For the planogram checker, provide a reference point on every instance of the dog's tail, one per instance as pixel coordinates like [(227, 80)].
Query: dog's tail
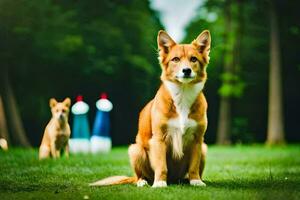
[(114, 180)]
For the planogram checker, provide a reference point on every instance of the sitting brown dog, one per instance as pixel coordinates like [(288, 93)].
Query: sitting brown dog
[(57, 132)]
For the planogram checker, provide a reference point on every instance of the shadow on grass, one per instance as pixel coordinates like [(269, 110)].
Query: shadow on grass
[(254, 184), (9, 186)]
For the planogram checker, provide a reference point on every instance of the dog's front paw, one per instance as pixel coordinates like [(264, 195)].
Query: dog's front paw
[(157, 184), (197, 182), (141, 183)]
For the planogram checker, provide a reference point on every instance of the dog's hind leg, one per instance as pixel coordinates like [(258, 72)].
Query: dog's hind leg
[(67, 151), (140, 164), (53, 150), (58, 153)]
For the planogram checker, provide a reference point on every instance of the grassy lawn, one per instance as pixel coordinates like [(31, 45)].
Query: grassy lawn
[(240, 172)]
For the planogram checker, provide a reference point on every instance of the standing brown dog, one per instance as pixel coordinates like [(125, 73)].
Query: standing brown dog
[(169, 145), (57, 132)]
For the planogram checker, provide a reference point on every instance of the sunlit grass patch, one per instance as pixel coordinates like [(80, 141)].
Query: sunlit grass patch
[(240, 172)]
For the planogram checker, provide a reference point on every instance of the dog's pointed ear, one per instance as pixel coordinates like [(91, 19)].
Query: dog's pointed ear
[(202, 43), (67, 102), (52, 102), (164, 41)]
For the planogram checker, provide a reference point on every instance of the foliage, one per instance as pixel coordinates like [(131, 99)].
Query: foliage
[(66, 48), (250, 83), (232, 85)]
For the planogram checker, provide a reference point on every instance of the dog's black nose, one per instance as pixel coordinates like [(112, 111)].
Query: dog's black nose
[(186, 71)]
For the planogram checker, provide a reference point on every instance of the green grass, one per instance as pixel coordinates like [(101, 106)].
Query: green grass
[(240, 172)]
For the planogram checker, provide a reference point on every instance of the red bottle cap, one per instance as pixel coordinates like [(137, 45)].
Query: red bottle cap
[(79, 98), (103, 95)]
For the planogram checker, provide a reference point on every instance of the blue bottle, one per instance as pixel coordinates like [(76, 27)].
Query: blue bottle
[(101, 139)]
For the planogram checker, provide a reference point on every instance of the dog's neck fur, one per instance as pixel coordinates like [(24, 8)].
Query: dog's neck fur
[(184, 95), (60, 123)]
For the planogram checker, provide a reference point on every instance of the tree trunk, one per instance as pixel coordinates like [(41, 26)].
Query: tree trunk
[(275, 133), (3, 123), (16, 129), (224, 121), (239, 27)]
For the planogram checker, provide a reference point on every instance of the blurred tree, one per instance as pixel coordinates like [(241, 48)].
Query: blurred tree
[(63, 48), (3, 122), (232, 86), (16, 129), (225, 118), (24, 35), (275, 133)]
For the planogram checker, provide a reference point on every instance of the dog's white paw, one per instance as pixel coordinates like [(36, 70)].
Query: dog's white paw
[(197, 182), (157, 184), (141, 183)]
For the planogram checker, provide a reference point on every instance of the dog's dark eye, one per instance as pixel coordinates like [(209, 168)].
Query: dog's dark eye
[(63, 110), (176, 59), (193, 59)]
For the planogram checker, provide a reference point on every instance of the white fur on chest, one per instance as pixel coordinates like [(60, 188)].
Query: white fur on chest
[(179, 128)]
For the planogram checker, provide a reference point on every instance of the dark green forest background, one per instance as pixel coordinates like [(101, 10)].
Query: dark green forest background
[(51, 48)]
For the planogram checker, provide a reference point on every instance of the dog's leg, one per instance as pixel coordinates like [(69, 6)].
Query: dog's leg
[(194, 166), (67, 151), (140, 163), (157, 155), (58, 153), (53, 150)]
